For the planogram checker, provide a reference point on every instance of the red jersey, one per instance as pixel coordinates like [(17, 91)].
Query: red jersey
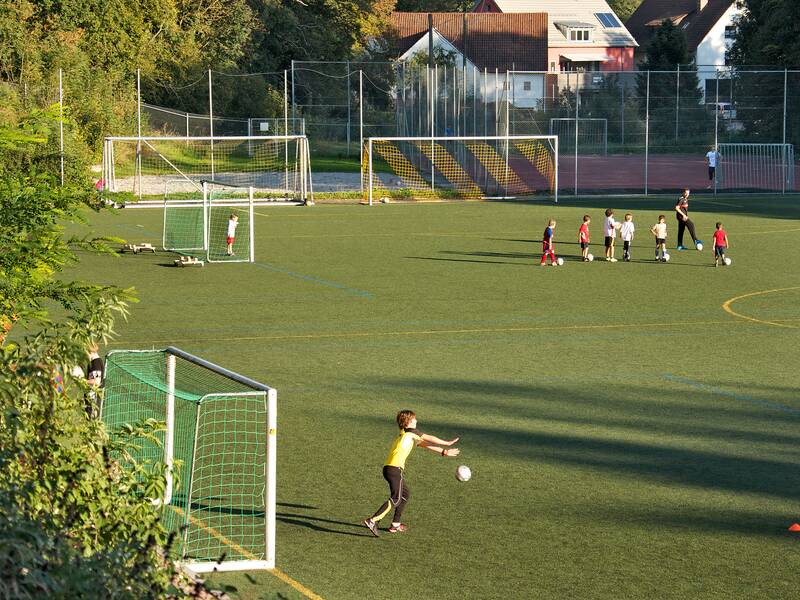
[(584, 232), (719, 237)]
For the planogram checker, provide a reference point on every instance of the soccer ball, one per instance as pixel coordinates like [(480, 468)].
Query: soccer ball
[(463, 473), (560, 262), (728, 262), (385, 200), (77, 372), (699, 246), (666, 257), (590, 257)]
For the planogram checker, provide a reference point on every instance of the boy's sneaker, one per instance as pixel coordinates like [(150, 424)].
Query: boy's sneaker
[(401, 528), (681, 248), (372, 526), (613, 259)]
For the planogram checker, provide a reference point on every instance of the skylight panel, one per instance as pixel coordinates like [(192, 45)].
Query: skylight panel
[(608, 19)]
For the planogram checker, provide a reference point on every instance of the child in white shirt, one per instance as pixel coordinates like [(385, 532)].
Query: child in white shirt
[(660, 231), (610, 230), (626, 233)]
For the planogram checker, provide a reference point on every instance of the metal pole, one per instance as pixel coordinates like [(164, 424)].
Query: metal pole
[(360, 116), (294, 104), (286, 130), (211, 120), (716, 123), (677, 99), (347, 93), (139, 130), (577, 116), (647, 136), (785, 88), (622, 112), (61, 121)]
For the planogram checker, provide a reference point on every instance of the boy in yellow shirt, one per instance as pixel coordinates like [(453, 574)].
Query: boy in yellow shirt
[(393, 469)]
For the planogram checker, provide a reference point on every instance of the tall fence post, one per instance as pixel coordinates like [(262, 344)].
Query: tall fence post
[(647, 136), (211, 120), (360, 115), (61, 121), (138, 167), (577, 117), (785, 88), (677, 99), (294, 104), (716, 121), (347, 93)]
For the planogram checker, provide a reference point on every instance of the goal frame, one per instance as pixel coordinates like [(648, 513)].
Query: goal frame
[(206, 203), (604, 120), (785, 168), (270, 463), (302, 159), (433, 139)]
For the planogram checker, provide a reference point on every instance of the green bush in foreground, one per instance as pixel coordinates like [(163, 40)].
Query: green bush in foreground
[(76, 520)]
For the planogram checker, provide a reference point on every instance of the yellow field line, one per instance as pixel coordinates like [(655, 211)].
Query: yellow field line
[(423, 332), (249, 555), (726, 306)]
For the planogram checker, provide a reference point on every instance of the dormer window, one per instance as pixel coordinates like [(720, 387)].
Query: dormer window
[(576, 31), (580, 35)]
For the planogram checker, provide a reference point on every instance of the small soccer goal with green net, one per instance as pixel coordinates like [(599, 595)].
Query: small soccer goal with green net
[(201, 225), (218, 447)]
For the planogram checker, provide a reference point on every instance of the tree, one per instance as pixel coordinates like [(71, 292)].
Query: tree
[(76, 520), (624, 8), (766, 39), (674, 96)]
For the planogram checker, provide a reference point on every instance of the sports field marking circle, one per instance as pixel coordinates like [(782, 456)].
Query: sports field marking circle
[(726, 306)]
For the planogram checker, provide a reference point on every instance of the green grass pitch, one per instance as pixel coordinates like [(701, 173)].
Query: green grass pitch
[(628, 436)]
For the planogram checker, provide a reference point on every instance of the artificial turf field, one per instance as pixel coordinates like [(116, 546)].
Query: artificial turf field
[(628, 436)]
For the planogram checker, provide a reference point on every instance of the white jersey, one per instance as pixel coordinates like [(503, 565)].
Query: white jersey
[(232, 227), (712, 157), (626, 231), (660, 230), (610, 227)]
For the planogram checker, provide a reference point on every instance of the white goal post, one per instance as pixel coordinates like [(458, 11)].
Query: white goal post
[(278, 167), (459, 167), (591, 133), (219, 448), (199, 226), (755, 168)]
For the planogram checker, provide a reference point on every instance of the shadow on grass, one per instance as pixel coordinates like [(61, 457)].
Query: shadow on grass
[(315, 524), (707, 447)]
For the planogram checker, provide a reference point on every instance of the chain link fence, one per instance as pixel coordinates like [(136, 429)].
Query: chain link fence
[(619, 132)]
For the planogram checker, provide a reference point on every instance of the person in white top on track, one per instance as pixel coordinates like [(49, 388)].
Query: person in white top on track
[(232, 223), (713, 157)]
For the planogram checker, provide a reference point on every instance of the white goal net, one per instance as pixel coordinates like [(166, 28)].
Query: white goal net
[(756, 168), (277, 167), (422, 168), (217, 225)]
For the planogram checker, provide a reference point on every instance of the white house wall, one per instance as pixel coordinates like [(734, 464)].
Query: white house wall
[(711, 51)]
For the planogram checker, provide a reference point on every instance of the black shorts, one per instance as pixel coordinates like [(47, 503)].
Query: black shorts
[(711, 172), (719, 250), (609, 241), (584, 245), (660, 241)]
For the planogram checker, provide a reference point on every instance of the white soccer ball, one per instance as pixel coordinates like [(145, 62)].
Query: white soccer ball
[(590, 257), (699, 246), (385, 200), (463, 473), (728, 262), (666, 257), (560, 262), (77, 372)]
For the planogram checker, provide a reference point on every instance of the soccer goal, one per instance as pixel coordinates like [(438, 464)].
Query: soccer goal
[(756, 167), (592, 134), (277, 167), (218, 447), (420, 168), (200, 225)]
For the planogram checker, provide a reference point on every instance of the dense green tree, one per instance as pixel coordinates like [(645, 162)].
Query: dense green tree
[(767, 34), (624, 8), (671, 94)]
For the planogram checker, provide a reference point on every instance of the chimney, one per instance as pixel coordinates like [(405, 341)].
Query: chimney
[(701, 4)]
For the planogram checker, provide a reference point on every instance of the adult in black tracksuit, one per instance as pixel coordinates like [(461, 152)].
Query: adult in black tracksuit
[(684, 222)]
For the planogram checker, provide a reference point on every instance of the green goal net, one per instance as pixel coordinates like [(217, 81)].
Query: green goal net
[(219, 448)]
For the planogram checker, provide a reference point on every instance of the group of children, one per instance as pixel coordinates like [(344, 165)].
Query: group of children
[(626, 231)]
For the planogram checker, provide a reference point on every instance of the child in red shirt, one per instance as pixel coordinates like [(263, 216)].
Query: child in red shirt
[(720, 245), (583, 238)]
